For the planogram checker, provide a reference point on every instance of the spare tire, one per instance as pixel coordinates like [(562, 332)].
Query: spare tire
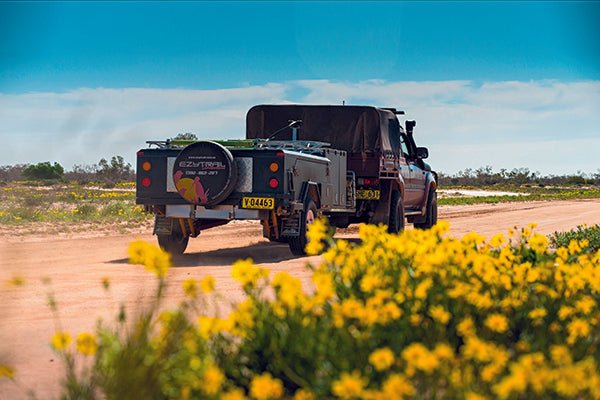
[(204, 173)]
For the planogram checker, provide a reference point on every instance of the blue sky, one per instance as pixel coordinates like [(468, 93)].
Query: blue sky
[(474, 73)]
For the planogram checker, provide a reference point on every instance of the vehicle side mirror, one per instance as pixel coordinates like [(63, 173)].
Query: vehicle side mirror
[(422, 152)]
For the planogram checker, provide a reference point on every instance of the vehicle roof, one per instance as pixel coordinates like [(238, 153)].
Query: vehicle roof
[(354, 129)]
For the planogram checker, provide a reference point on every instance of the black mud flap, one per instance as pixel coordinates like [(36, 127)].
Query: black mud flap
[(163, 226)]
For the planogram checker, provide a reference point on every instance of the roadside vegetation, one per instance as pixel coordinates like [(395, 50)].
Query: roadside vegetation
[(44, 197), (486, 176), (589, 235), (522, 184), (414, 315), (453, 195), (104, 193)]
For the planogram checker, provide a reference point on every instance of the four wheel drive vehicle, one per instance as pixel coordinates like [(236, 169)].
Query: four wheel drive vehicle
[(298, 162)]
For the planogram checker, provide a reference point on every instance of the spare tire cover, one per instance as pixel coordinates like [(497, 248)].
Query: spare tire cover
[(204, 173)]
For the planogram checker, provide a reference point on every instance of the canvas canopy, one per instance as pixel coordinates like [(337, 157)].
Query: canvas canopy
[(354, 129)]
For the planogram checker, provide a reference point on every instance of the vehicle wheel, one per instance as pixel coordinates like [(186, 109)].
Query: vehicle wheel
[(396, 217), (298, 244), (175, 243), (430, 212)]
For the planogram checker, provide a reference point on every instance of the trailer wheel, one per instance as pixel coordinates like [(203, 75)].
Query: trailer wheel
[(430, 212), (174, 243), (298, 244), (396, 217)]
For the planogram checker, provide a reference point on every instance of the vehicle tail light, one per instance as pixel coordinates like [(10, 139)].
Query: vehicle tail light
[(274, 167), (368, 181), (146, 182), (273, 183), (280, 154), (140, 153), (146, 166)]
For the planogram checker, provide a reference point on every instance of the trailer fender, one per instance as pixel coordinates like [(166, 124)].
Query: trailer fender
[(310, 190)]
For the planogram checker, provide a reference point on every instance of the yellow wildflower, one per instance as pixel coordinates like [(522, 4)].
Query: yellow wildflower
[(475, 396), (207, 284), (466, 327), (443, 351), (417, 356), (370, 282), (304, 394), (212, 380), (317, 232), (349, 386), (105, 283), (16, 281), (497, 240), (415, 319), (245, 272), (195, 363), (439, 314), (565, 312), (234, 394), (190, 288), (382, 359), (537, 313), (86, 344), (60, 340), (538, 243), (6, 372), (574, 247), (497, 323), (153, 258), (578, 328), (324, 286), (397, 386), (265, 387), (585, 305), (560, 355), (422, 288)]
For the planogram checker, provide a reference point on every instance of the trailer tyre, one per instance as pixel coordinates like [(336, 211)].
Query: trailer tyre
[(174, 243), (430, 212), (396, 216), (298, 244)]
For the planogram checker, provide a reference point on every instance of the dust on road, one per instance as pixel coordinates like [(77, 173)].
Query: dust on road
[(73, 269)]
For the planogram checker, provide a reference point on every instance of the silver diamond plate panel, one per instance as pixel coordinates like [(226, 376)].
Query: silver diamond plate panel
[(244, 180)]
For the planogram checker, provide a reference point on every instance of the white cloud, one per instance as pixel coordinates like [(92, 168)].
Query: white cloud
[(550, 126)]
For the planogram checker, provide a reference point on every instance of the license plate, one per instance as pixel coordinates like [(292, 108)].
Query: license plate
[(368, 194), (261, 203)]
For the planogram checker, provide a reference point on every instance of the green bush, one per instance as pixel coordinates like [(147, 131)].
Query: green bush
[(44, 171), (591, 234), (86, 210)]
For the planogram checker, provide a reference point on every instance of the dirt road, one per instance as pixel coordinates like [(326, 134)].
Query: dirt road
[(72, 269)]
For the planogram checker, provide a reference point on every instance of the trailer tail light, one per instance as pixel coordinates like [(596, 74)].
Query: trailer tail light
[(146, 166), (146, 182), (273, 183), (274, 167)]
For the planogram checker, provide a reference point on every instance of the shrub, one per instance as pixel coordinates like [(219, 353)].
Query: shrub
[(581, 233), (86, 210), (44, 171), (418, 314)]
